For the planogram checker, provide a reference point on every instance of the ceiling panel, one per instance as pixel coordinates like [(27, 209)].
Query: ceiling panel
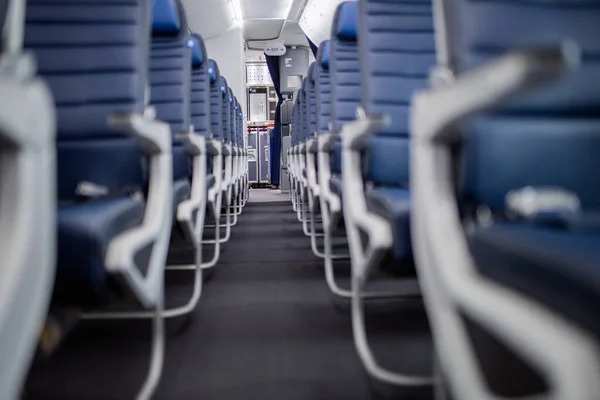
[(259, 9), (209, 17), (256, 29)]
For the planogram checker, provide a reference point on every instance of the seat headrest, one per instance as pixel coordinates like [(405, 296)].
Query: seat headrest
[(323, 54), (198, 51), (213, 72), (223, 86), (345, 25), (165, 17), (230, 94), (312, 73)]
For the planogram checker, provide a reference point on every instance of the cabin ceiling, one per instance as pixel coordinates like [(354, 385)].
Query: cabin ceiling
[(262, 19)]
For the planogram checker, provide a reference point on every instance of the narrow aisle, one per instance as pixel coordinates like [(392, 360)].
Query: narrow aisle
[(266, 327)]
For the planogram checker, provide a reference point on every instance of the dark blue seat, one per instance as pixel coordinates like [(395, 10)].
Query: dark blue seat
[(323, 89), (335, 185), (344, 79), (216, 99), (555, 266), (200, 88), (226, 110), (548, 138), (397, 52), (92, 71), (170, 81)]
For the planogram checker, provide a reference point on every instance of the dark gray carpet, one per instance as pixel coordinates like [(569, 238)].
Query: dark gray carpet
[(266, 328)]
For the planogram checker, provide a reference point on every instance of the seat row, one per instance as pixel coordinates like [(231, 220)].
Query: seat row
[(119, 137), (458, 142)]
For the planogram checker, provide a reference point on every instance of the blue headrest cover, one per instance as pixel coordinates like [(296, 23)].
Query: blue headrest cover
[(230, 94), (346, 23), (213, 71), (197, 51), (323, 55), (165, 17), (312, 71), (223, 83)]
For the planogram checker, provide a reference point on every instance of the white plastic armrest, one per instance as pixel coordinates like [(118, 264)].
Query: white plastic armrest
[(217, 169), (312, 145), (437, 111), (154, 138), (196, 146), (354, 135), (326, 141), (213, 147), (27, 218)]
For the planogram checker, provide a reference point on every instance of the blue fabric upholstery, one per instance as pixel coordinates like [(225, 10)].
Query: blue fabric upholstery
[(336, 158), (226, 110), (92, 72), (547, 138), (181, 191), (336, 186), (344, 70), (94, 56), (232, 113), (84, 232), (311, 103), (323, 89), (345, 24), (165, 17), (170, 77), (393, 204), (216, 100), (304, 133), (550, 137), (198, 51), (397, 51), (558, 267), (200, 91), (170, 74), (210, 181)]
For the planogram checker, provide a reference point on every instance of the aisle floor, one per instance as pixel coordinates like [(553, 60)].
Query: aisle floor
[(266, 328)]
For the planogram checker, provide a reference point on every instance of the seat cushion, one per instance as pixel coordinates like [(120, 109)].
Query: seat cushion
[(181, 162), (393, 204), (336, 158), (210, 181), (84, 232), (181, 191), (335, 185), (559, 268)]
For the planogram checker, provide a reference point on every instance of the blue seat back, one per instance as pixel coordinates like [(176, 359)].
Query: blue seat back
[(239, 127), (170, 65), (344, 66), (170, 76), (294, 133), (300, 116), (216, 100), (200, 88), (232, 112), (226, 110), (550, 137), (397, 52), (323, 89), (94, 56), (304, 111), (311, 102)]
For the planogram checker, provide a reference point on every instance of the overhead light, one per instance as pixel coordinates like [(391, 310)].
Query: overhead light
[(237, 12)]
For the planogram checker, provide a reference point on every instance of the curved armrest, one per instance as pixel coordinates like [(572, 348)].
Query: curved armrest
[(27, 218), (196, 146), (436, 111), (154, 138), (217, 160)]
